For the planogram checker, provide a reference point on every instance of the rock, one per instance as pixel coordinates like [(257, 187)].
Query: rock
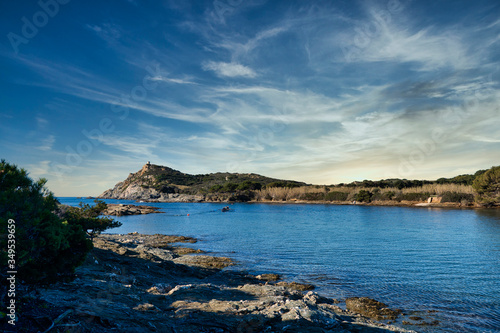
[(137, 294), (160, 253), (205, 261), (121, 209), (268, 277), (314, 299), (160, 288), (296, 286), (371, 308), (146, 307)]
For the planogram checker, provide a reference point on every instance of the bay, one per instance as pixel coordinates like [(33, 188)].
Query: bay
[(440, 264)]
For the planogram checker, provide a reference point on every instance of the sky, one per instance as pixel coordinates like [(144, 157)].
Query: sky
[(322, 92)]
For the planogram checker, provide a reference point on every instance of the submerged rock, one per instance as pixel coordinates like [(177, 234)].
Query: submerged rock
[(371, 308), (268, 277), (296, 286)]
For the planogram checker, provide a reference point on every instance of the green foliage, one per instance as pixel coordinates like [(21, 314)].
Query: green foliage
[(363, 196), (336, 196), (412, 196), (87, 217), (215, 189), (229, 187), (456, 197), (487, 186), (242, 196), (249, 185), (314, 196), (283, 183), (47, 248)]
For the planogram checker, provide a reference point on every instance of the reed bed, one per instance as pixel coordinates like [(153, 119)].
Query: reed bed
[(310, 192)]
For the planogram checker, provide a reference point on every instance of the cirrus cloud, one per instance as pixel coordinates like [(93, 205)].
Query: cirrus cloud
[(229, 69)]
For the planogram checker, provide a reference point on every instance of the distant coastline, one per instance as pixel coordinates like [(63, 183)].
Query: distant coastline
[(155, 183)]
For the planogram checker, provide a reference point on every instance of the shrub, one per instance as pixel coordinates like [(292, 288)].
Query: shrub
[(336, 196), (363, 196), (242, 197), (457, 197), (282, 184), (487, 186), (215, 188), (313, 196), (249, 185), (48, 248), (413, 196), (229, 187), (87, 217)]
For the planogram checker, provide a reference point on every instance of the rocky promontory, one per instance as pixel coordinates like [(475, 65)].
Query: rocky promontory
[(146, 283)]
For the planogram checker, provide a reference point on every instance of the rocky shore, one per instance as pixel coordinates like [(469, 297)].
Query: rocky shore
[(122, 209), (148, 283)]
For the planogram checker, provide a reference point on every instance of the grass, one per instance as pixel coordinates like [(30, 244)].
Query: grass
[(420, 193)]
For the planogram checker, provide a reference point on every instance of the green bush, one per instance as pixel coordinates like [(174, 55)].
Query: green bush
[(363, 196), (242, 197), (412, 196), (282, 184), (47, 248), (314, 196), (215, 189), (229, 187), (249, 185), (87, 217), (336, 196), (487, 186), (456, 197)]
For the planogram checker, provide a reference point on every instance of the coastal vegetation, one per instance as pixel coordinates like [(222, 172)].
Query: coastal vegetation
[(51, 242), (159, 183), (487, 186)]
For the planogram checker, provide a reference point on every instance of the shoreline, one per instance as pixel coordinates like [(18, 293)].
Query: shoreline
[(415, 204), (142, 283)]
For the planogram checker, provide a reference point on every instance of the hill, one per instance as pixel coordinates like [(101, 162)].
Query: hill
[(164, 184), (161, 183)]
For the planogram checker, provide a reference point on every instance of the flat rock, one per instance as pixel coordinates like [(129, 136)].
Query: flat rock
[(371, 308), (121, 210), (205, 261)]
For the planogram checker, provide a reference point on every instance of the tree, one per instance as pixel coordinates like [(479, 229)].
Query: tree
[(46, 247), (487, 186), (363, 196), (87, 217)]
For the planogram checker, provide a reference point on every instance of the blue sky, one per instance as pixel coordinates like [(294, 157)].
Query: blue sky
[(317, 91)]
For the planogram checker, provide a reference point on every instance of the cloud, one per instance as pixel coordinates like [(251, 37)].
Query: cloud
[(172, 80), (107, 31), (47, 143), (386, 37), (225, 69), (134, 146)]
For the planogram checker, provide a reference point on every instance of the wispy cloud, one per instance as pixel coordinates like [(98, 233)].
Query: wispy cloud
[(109, 32), (225, 69), (47, 143)]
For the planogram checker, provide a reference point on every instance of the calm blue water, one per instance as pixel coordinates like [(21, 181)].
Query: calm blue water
[(416, 259)]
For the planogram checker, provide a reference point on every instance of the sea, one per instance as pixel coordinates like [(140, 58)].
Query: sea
[(442, 265)]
